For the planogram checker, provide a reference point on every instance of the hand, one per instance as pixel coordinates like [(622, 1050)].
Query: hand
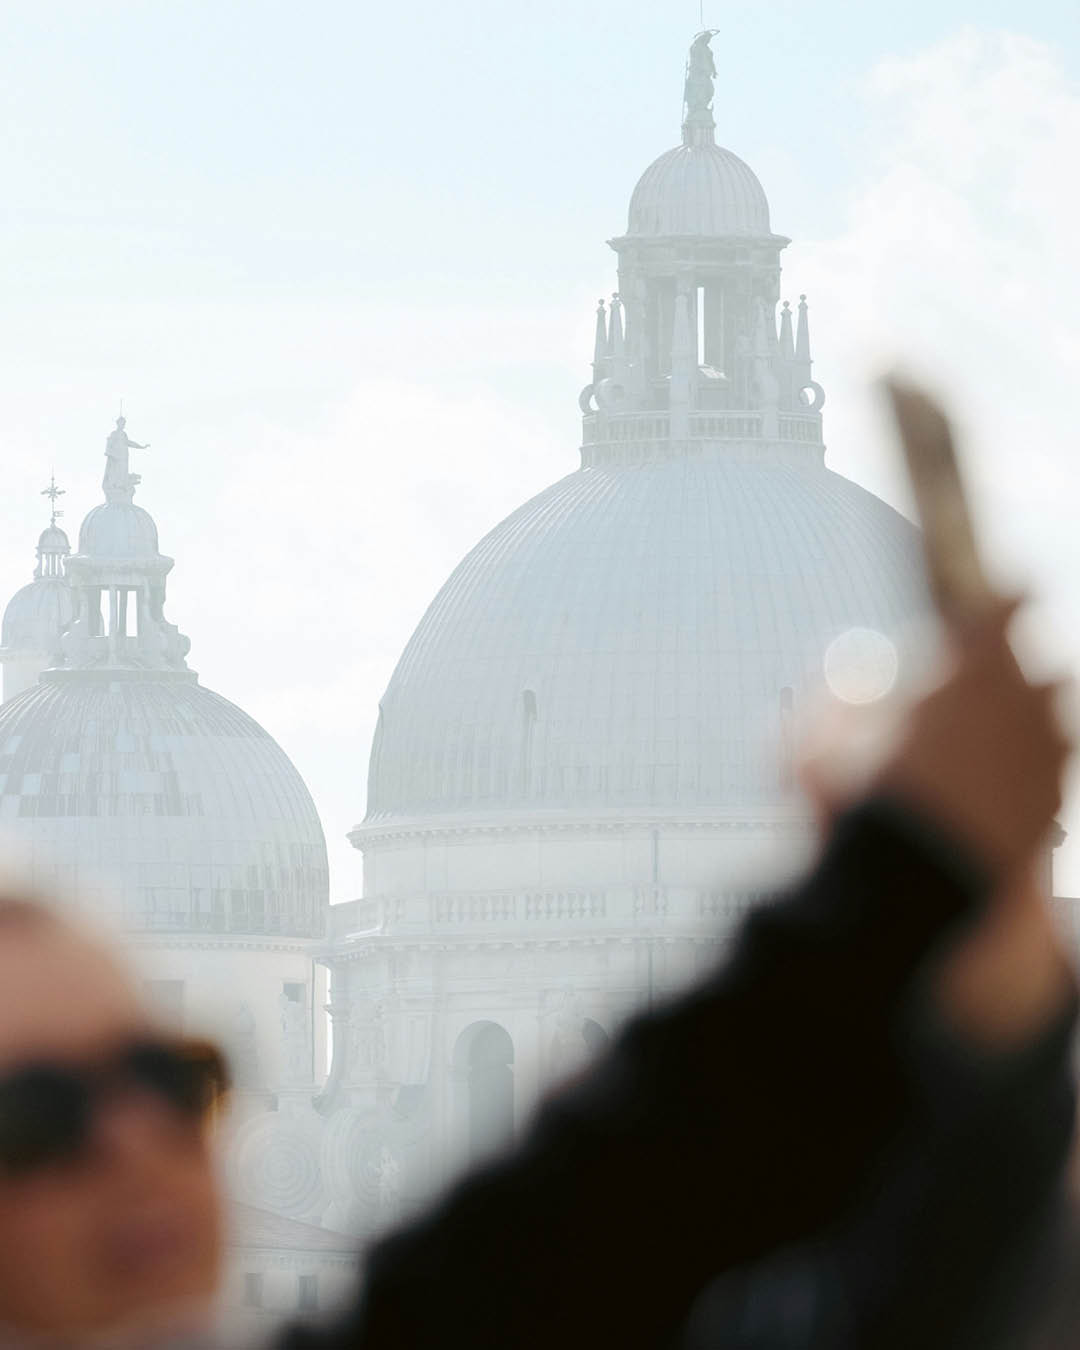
[(982, 754), (1009, 977)]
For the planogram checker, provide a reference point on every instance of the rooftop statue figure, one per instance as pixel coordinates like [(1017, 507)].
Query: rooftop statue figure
[(700, 74), (119, 483)]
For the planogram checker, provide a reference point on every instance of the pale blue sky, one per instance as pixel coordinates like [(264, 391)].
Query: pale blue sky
[(340, 261), (224, 147)]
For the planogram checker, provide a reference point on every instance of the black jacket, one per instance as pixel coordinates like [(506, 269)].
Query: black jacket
[(790, 1154)]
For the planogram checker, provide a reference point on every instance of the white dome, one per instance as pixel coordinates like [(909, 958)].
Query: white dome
[(173, 797), (118, 530), (37, 615), (699, 190), (623, 640), (53, 540)]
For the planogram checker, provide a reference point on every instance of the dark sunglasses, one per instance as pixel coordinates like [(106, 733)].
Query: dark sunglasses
[(47, 1108)]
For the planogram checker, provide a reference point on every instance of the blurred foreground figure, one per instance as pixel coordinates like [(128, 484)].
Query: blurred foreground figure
[(852, 1134), (108, 1201)]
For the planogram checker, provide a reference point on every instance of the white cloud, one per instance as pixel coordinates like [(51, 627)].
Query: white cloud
[(958, 258)]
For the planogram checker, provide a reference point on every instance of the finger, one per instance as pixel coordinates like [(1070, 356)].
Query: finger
[(989, 627), (1049, 697)]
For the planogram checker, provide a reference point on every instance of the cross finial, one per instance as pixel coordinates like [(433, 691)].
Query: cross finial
[(53, 492)]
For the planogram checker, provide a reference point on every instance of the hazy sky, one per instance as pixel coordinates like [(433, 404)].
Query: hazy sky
[(340, 262)]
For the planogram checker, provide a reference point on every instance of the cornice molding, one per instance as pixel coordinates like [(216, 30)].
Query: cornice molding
[(221, 942), (367, 946), (618, 823)]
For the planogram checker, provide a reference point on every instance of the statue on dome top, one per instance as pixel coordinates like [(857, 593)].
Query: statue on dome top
[(119, 483), (700, 74)]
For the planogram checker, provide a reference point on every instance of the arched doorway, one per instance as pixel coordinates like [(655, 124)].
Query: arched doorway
[(484, 1059)]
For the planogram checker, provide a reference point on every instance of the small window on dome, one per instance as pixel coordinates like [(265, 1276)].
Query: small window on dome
[(787, 737), (528, 725)]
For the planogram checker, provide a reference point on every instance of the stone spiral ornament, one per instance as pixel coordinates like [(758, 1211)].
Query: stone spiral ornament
[(275, 1165), (348, 1141), (362, 1166)]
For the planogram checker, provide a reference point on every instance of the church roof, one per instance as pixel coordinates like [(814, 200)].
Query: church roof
[(118, 530), (165, 799), (699, 190), (251, 1227), (36, 615), (53, 540), (622, 640), (129, 785), (635, 638)]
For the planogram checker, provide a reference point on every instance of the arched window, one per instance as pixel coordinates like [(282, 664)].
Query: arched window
[(485, 1060)]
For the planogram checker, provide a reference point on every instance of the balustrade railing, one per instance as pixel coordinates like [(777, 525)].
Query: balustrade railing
[(628, 438)]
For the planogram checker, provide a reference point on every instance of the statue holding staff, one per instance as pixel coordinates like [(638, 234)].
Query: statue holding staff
[(700, 74), (119, 483)]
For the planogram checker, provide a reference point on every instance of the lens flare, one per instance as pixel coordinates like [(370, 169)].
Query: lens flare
[(861, 665)]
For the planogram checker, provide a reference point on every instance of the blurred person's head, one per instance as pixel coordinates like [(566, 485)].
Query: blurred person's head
[(108, 1198)]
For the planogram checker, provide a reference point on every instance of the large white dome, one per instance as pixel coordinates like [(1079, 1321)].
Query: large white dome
[(623, 639)]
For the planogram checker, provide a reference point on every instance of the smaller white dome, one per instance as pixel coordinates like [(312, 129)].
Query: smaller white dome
[(118, 530), (53, 540), (702, 191), (37, 615)]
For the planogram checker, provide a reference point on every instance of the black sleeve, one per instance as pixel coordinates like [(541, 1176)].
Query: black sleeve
[(738, 1118), (951, 1243)]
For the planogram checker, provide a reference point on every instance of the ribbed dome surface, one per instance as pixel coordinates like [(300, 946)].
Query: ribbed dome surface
[(622, 640), (53, 540), (118, 530), (699, 190), (189, 815), (37, 615)]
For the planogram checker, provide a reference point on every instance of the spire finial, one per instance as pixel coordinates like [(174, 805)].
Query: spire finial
[(787, 333), (698, 122), (802, 336), (600, 342), (53, 492), (615, 327)]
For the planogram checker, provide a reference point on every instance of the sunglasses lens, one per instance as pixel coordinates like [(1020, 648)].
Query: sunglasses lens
[(44, 1115), (46, 1110), (187, 1078)]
